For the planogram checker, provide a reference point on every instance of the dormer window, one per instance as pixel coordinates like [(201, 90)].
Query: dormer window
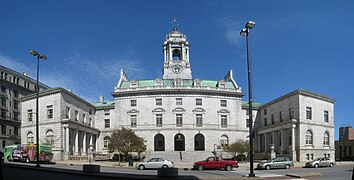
[(222, 84), (133, 84), (176, 54)]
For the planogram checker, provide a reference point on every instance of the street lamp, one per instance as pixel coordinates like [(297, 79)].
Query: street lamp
[(42, 57), (245, 32)]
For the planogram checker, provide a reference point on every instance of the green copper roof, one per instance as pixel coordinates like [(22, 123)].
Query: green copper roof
[(169, 82), (105, 104), (255, 105)]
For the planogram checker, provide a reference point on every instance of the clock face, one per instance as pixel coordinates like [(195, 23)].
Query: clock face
[(177, 69), (176, 39)]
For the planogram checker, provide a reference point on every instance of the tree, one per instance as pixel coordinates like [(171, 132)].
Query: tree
[(238, 147), (125, 140)]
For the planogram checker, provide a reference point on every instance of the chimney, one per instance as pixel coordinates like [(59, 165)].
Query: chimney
[(101, 99)]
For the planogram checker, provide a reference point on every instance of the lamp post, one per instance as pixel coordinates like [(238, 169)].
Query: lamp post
[(42, 57), (245, 32)]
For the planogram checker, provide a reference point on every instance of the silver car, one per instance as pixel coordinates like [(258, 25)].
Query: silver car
[(278, 162), (155, 163), (321, 162)]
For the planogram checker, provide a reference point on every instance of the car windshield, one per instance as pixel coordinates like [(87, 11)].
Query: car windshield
[(317, 159)]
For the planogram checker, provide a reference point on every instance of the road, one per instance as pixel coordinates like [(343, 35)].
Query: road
[(336, 172)]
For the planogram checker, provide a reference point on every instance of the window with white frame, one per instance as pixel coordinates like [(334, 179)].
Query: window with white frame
[(223, 103), (326, 139), (224, 141), (325, 116), (308, 113), (133, 120), (107, 123), (199, 120), (106, 142), (308, 138), (50, 137), (247, 123), (30, 138), (198, 101), (30, 114), (223, 120), (272, 118), (50, 111), (83, 118), (291, 113), (178, 101), (158, 120), (67, 112), (76, 115), (179, 120), (158, 101), (133, 102), (281, 116)]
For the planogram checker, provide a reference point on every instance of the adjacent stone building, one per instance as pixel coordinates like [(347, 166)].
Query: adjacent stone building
[(345, 144), (13, 86)]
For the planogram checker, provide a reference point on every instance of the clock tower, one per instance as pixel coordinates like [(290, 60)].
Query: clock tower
[(176, 55)]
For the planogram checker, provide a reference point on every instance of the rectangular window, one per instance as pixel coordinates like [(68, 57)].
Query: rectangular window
[(265, 112), (133, 103), (178, 101), (291, 113), (16, 116), (325, 114), (223, 103), (133, 120), (158, 102), (3, 129), (30, 114), (199, 120), (67, 113), (107, 123), (76, 115), (179, 120), (281, 116), (198, 101), (50, 111), (308, 157), (3, 143), (83, 118), (265, 121), (247, 123), (16, 105), (158, 120), (16, 131), (3, 89), (223, 121), (308, 113), (90, 122), (273, 119), (106, 112), (3, 102)]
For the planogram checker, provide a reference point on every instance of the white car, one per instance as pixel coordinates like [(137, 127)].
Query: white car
[(155, 163)]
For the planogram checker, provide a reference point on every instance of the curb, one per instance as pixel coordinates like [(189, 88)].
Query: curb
[(304, 175)]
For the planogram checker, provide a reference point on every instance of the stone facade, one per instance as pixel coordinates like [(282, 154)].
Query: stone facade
[(345, 144), (66, 121), (299, 125)]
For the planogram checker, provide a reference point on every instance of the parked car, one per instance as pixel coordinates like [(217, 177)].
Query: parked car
[(321, 162), (278, 162), (215, 163), (155, 163)]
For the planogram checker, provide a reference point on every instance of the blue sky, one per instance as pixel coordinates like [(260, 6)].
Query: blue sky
[(295, 44)]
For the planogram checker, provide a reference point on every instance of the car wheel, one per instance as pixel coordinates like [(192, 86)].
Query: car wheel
[(164, 166), (141, 167), (200, 167), (316, 166), (267, 167), (330, 165), (228, 167), (287, 166)]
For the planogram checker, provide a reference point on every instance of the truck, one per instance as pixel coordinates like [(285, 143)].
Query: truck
[(214, 162), (28, 152)]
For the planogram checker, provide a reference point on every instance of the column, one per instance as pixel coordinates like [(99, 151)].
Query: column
[(265, 143), (96, 142), (170, 51), (67, 140), (259, 143), (282, 142), (293, 151), (91, 139), (76, 142), (84, 144)]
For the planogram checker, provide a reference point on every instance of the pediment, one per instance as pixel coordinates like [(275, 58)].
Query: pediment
[(133, 111)]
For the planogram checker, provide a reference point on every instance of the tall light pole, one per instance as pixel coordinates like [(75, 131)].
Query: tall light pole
[(42, 57), (245, 32)]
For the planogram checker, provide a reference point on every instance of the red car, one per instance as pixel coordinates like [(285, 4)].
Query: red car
[(215, 163)]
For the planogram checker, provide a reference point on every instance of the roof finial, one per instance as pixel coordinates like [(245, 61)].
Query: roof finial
[(175, 24)]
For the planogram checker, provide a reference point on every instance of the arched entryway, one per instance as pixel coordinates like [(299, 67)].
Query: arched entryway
[(179, 142)]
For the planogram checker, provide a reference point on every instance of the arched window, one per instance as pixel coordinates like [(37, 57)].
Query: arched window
[(199, 142), (106, 141), (30, 138), (224, 141), (179, 142), (326, 139), (159, 142), (50, 137), (176, 54), (309, 140)]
